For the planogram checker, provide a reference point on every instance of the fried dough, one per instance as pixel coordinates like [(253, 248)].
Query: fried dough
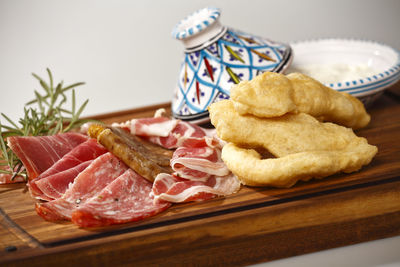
[(305, 147), (314, 98), (252, 170), (281, 136), (272, 95), (267, 95)]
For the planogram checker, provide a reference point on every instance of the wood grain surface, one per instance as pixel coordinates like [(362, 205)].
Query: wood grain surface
[(254, 225)]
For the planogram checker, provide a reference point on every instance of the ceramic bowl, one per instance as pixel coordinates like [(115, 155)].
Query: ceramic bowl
[(216, 58), (361, 68)]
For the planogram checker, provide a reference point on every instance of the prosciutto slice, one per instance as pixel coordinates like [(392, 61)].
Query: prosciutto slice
[(168, 133), (200, 173), (170, 187), (38, 153), (89, 182), (5, 178), (126, 199), (54, 186), (199, 159), (53, 182), (88, 150)]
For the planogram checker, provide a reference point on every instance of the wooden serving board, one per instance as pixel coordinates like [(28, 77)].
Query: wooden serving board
[(251, 226)]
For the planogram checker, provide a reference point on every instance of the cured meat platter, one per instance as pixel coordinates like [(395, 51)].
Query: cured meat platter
[(251, 226)]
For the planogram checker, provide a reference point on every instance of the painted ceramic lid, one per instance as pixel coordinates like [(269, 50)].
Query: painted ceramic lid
[(217, 58), (196, 22)]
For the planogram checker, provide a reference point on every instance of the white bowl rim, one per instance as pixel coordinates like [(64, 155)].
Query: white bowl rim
[(367, 85)]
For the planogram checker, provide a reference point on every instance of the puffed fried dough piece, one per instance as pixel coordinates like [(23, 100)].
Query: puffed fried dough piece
[(326, 104), (288, 134), (267, 95), (251, 170), (273, 94)]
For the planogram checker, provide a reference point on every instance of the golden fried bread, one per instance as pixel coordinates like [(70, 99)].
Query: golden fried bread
[(267, 95), (273, 95), (305, 147), (281, 136), (252, 170), (326, 104)]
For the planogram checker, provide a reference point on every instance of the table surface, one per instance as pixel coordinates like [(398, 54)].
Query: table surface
[(380, 252)]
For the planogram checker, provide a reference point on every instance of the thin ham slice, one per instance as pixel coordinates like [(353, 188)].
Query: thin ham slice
[(38, 153), (169, 187), (54, 186), (88, 150), (6, 178), (200, 174), (126, 199), (168, 133), (159, 126), (53, 182), (199, 159), (89, 182)]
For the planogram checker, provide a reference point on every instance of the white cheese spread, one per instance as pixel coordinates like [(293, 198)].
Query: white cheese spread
[(334, 73)]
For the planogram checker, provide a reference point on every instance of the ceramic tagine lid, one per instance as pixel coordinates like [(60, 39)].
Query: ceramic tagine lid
[(216, 58)]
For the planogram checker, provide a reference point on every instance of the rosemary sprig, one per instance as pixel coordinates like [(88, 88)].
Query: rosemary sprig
[(48, 117)]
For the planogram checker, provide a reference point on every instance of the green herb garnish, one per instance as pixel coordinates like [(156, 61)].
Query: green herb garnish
[(44, 115)]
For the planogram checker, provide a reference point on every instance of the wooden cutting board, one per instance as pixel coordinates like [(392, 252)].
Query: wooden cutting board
[(251, 226)]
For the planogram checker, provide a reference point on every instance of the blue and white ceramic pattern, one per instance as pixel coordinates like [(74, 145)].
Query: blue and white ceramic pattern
[(216, 58), (191, 25)]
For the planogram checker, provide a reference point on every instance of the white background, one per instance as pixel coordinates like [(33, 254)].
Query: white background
[(125, 53)]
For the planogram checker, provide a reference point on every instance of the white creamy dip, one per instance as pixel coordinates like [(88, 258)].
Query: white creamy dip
[(333, 73)]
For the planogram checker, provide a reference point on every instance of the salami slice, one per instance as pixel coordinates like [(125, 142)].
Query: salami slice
[(92, 180), (126, 199)]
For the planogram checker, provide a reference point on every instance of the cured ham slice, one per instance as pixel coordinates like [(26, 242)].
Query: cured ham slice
[(158, 126), (88, 150), (174, 189), (38, 153), (199, 159), (54, 186), (200, 174), (168, 133), (6, 178), (53, 182), (126, 199), (89, 182)]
